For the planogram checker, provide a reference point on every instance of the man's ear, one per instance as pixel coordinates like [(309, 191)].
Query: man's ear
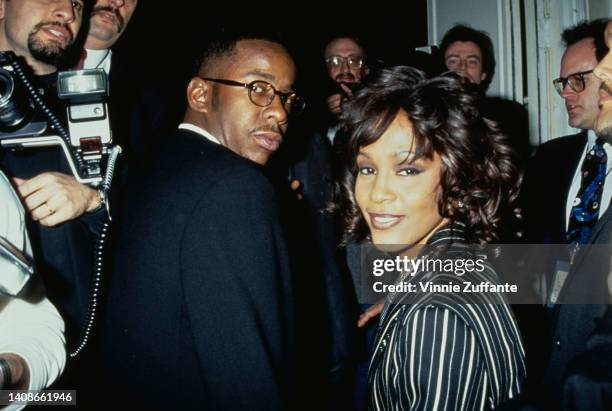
[(365, 71), (198, 95), (2, 5), (483, 76)]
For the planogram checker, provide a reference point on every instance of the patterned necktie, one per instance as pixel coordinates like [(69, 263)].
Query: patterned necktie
[(585, 209)]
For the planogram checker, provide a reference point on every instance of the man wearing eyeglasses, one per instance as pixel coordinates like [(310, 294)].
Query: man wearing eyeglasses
[(200, 307), (470, 53), (554, 177), (578, 373), (345, 61), (565, 194)]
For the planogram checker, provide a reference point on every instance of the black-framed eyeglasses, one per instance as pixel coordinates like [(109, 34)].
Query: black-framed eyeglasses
[(337, 61), (261, 93), (575, 81)]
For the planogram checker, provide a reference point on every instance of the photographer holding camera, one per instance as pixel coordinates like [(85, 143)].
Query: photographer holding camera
[(66, 213)]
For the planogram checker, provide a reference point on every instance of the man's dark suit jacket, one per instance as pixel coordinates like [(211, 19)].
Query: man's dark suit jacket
[(548, 178), (547, 182), (199, 312), (546, 188), (574, 323), (588, 383)]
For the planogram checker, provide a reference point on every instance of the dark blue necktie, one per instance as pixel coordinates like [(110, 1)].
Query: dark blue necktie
[(585, 209)]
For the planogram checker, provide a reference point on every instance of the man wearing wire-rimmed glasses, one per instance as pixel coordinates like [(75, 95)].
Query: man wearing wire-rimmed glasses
[(345, 60)]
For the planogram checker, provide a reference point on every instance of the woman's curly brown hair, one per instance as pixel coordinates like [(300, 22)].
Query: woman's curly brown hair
[(479, 179)]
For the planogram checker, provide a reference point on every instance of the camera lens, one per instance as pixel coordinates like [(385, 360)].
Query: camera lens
[(13, 107), (6, 87)]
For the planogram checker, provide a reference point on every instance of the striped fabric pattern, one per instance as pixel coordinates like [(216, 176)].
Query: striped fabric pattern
[(446, 351)]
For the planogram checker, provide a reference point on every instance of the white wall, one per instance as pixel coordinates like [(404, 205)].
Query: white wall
[(544, 20), (600, 8)]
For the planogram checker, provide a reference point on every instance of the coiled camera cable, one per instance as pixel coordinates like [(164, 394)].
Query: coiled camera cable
[(102, 235)]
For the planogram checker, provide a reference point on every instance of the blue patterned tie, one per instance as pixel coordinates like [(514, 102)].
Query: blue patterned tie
[(585, 209)]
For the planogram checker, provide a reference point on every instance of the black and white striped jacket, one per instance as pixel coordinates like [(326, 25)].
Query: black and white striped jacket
[(437, 351)]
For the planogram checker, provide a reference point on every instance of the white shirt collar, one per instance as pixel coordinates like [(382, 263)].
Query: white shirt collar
[(591, 137), (199, 130), (98, 59), (331, 132)]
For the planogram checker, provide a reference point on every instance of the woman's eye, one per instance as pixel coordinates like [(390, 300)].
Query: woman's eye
[(408, 171), (366, 170)]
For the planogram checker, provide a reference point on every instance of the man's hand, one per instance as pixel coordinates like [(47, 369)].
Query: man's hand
[(54, 198), (370, 313), (335, 101)]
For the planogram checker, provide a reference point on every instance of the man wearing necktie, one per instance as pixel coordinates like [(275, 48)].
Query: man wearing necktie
[(582, 312), (588, 381), (554, 177)]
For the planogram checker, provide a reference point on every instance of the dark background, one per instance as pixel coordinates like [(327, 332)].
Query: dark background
[(163, 37)]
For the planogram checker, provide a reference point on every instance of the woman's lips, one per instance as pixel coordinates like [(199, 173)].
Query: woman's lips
[(384, 221)]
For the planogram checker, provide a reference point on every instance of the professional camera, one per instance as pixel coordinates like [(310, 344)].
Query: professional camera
[(27, 121)]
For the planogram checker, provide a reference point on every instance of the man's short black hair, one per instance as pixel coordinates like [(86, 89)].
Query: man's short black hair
[(345, 35), (461, 32), (224, 44), (587, 29)]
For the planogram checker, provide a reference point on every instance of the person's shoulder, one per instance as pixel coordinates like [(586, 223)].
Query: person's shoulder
[(217, 164), (188, 150), (558, 152), (569, 142), (189, 168)]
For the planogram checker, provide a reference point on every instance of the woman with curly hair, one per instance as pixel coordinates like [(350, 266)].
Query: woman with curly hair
[(423, 168)]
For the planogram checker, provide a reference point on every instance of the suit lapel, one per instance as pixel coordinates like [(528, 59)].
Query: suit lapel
[(569, 167), (602, 224)]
